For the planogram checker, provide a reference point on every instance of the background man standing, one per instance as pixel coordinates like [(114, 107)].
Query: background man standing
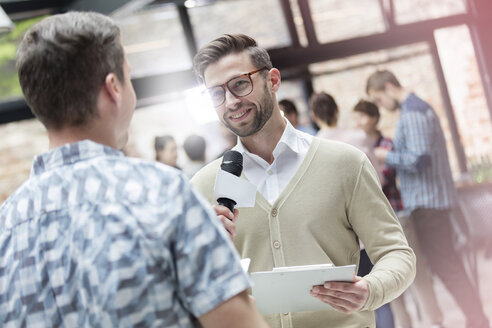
[(421, 160), (94, 238), (315, 197)]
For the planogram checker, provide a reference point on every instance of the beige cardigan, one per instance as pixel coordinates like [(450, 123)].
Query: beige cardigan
[(333, 199)]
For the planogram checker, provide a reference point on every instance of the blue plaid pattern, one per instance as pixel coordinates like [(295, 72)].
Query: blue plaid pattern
[(95, 239), (421, 159)]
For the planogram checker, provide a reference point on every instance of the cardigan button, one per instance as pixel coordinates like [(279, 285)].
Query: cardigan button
[(274, 212), (276, 244)]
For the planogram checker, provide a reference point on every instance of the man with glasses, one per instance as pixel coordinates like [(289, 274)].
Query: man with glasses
[(315, 197)]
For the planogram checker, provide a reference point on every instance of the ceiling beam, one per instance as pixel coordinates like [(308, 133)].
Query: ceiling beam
[(398, 36)]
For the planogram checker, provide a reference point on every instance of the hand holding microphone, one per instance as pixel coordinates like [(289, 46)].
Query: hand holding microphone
[(232, 162)]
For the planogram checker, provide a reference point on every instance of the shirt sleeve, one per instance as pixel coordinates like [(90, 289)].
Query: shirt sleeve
[(207, 265), (415, 130)]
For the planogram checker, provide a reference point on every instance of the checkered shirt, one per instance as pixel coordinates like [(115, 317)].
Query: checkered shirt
[(95, 239), (421, 159)]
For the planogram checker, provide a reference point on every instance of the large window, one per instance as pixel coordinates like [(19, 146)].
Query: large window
[(262, 20), (467, 95), (345, 80), (407, 11), (336, 20), (154, 41)]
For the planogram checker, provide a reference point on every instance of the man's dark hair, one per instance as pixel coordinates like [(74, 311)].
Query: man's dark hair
[(194, 147), (62, 62), (288, 106), (324, 107), (377, 81), (368, 108), (161, 141), (226, 45)]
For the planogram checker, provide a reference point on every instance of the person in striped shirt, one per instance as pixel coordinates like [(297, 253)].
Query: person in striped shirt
[(421, 161)]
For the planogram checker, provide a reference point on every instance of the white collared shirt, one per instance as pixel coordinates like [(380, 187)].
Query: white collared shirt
[(288, 156)]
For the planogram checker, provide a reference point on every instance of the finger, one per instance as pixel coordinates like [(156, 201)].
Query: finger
[(346, 287), (222, 210), (228, 225), (236, 215), (354, 298), (338, 304)]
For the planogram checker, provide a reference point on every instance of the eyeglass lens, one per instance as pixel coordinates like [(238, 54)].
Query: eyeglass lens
[(240, 86)]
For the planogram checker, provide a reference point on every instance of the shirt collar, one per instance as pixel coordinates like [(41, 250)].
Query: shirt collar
[(69, 154), (288, 140)]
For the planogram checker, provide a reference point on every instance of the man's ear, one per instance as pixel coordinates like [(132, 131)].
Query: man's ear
[(274, 79), (112, 87)]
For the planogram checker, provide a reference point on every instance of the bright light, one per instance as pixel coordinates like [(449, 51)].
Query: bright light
[(200, 106), (6, 24), (190, 3)]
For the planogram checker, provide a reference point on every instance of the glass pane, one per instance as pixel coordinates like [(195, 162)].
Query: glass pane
[(418, 10), (345, 80), (299, 23), (154, 41), (336, 20), (467, 95), (9, 83), (262, 20)]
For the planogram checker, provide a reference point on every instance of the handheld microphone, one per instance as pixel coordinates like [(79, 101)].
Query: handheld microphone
[(232, 162)]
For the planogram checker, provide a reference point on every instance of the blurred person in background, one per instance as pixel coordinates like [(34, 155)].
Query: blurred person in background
[(420, 158), (367, 118), (324, 110), (194, 147), (94, 238), (292, 114), (166, 150), (315, 198), (325, 113)]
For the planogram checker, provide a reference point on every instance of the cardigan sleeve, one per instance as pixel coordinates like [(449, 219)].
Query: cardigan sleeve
[(376, 224)]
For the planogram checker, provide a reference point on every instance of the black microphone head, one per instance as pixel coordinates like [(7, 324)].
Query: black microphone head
[(232, 162)]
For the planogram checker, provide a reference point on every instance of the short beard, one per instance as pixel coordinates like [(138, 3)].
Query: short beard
[(396, 105), (263, 114)]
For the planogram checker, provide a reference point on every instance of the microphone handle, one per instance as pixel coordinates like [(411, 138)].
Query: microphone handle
[(229, 203)]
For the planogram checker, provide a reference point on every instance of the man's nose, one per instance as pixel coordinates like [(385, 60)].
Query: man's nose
[(230, 99)]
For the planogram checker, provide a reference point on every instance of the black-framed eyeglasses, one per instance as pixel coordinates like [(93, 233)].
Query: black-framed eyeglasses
[(239, 86)]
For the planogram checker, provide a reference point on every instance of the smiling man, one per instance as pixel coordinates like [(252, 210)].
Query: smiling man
[(315, 198)]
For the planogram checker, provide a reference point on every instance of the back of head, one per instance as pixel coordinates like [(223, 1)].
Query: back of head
[(324, 107), (62, 62), (161, 141), (377, 81), (194, 147), (368, 108), (226, 45), (288, 107)]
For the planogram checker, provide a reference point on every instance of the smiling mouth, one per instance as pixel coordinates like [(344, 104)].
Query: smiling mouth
[(240, 114)]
